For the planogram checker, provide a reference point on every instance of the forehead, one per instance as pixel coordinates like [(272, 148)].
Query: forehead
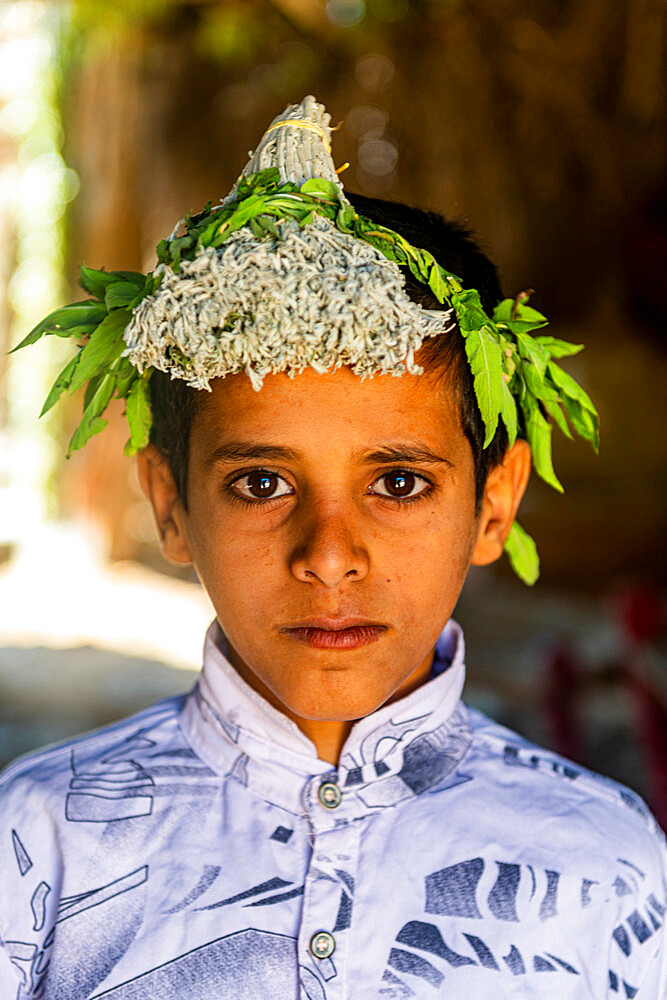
[(328, 411)]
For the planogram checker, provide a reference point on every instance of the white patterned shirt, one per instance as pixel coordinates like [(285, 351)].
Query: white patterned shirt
[(201, 850)]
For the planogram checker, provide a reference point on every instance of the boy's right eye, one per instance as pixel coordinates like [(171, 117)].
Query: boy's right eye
[(261, 485)]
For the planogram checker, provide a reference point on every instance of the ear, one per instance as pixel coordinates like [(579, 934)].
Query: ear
[(505, 486), (158, 485)]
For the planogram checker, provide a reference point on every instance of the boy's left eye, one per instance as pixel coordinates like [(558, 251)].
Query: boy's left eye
[(400, 485)]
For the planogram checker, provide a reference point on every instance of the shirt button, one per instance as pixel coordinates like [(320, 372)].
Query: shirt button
[(322, 945), (330, 795)]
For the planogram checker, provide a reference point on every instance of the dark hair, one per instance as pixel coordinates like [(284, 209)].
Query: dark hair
[(174, 403)]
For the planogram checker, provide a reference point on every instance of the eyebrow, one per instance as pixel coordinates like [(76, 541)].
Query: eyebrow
[(240, 451), (403, 453)]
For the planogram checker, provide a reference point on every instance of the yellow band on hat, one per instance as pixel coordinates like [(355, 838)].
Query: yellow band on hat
[(300, 123)]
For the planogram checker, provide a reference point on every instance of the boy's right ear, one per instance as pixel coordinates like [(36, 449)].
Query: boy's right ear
[(158, 485)]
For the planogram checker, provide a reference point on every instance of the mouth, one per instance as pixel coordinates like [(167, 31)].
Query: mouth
[(334, 633)]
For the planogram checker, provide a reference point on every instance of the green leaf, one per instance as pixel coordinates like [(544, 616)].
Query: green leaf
[(248, 208), (85, 311), (208, 234), (76, 332), (486, 363), (139, 416), (584, 422), (420, 262), (61, 383), (503, 311), (121, 294), (318, 185), (437, 282), (569, 387), (540, 387), (134, 277), (97, 281), (532, 351), (509, 413), (240, 217), (91, 388), (163, 252), (392, 251), (199, 218), (538, 430), (84, 432), (522, 553), (469, 311), (65, 319), (93, 280), (526, 314), (554, 410), (126, 376), (153, 282), (558, 348), (519, 315), (577, 404), (269, 225), (105, 345), (257, 230), (267, 178), (345, 219), (91, 423), (176, 248), (283, 205), (518, 327), (307, 219)]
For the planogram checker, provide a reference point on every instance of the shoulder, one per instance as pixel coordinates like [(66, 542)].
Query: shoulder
[(591, 843), (56, 805), (581, 812), (47, 772)]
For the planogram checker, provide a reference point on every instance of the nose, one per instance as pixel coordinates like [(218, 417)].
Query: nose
[(328, 549)]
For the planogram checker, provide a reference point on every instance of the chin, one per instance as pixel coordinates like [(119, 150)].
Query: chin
[(338, 710)]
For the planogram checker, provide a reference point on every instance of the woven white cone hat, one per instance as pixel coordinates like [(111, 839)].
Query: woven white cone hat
[(312, 296), (298, 143)]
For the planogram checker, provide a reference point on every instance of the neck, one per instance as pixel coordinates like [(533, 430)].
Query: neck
[(327, 735)]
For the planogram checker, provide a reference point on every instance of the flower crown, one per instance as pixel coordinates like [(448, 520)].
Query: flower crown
[(284, 274)]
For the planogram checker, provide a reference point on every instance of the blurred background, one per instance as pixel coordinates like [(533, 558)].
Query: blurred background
[(538, 123)]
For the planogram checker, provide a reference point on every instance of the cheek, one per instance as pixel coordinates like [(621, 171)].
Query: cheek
[(428, 567), (450, 531), (447, 567), (240, 571)]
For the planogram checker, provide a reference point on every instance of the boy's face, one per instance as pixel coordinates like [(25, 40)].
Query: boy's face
[(332, 522)]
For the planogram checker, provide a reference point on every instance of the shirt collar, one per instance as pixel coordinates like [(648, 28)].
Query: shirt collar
[(399, 751)]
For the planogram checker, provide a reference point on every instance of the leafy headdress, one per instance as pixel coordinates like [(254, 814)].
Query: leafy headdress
[(284, 274)]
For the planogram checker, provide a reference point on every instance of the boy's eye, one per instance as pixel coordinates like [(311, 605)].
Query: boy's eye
[(261, 485), (400, 485)]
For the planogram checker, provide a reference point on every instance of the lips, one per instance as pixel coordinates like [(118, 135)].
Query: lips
[(334, 633)]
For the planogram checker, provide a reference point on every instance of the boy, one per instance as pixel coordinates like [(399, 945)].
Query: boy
[(322, 817)]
